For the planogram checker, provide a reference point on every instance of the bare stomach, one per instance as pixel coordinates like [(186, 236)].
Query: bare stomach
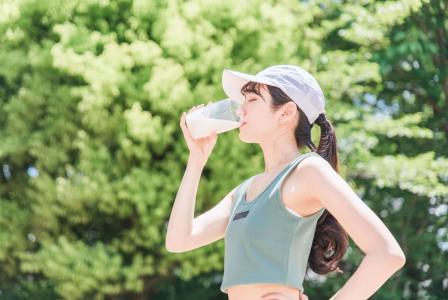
[(256, 291)]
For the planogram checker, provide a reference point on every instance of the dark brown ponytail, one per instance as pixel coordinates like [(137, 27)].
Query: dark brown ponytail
[(330, 239)]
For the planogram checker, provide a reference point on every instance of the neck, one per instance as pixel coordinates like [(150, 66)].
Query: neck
[(279, 159), (279, 151)]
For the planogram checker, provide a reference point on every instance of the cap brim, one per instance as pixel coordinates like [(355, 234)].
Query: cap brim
[(233, 81)]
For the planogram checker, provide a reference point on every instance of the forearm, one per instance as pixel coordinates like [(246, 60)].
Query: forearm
[(370, 275), (182, 213)]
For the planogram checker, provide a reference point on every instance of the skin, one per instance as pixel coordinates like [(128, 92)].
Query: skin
[(273, 131)]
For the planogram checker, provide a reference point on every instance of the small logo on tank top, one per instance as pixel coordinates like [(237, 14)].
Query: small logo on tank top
[(240, 215)]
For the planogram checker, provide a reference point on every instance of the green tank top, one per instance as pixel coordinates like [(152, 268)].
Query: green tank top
[(264, 241)]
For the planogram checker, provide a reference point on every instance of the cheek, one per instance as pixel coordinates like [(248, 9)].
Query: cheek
[(264, 120), (260, 124), (256, 131)]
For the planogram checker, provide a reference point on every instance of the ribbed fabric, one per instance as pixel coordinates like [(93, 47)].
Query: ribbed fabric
[(264, 241)]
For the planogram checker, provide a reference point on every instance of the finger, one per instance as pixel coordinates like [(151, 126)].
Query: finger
[(184, 127), (213, 134), (212, 138), (196, 107), (193, 108), (183, 124), (182, 119)]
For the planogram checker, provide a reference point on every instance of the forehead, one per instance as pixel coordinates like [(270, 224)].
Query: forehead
[(254, 89)]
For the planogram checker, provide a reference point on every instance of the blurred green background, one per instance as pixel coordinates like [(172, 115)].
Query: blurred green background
[(92, 155)]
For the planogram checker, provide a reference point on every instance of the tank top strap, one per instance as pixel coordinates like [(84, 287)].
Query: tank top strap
[(274, 184), (240, 190)]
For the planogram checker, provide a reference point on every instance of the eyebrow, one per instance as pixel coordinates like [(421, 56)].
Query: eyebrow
[(261, 96)]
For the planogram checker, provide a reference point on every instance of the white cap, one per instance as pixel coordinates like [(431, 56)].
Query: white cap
[(294, 81)]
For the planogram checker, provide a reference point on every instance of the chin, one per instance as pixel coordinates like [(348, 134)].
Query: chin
[(241, 137), (244, 138)]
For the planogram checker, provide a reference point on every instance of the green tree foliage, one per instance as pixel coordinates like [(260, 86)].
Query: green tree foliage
[(92, 154)]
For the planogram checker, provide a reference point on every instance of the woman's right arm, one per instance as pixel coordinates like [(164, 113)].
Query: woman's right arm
[(181, 232), (185, 232), (182, 214)]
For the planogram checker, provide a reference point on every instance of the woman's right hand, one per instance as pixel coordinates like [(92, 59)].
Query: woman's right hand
[(200, 148)]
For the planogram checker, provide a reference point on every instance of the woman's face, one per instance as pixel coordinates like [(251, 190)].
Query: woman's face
[(259, 120)]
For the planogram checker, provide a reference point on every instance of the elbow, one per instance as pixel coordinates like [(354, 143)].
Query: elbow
[(168, 247), (398, 258), (393, 257), (401, 261), (173, 248)]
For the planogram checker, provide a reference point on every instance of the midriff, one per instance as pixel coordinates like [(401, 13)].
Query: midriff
[(256, 291)]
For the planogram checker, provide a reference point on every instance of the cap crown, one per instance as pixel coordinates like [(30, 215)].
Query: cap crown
[(299, 85)]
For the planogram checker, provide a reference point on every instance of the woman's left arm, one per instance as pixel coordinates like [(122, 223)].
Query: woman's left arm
[(383, 255)]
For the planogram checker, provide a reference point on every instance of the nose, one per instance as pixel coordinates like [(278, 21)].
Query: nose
[(240, 111)]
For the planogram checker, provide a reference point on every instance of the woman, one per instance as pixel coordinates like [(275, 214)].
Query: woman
[(298, 213)]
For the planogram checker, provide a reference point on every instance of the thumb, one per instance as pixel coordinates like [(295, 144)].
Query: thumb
[(302, 296), (215, 137)]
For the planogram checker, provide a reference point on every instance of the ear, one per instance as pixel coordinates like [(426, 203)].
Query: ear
[(288, 112)]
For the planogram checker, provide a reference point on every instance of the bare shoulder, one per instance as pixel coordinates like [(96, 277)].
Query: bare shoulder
[(315, 160), (310, 172), (298, 191), (312, 164)]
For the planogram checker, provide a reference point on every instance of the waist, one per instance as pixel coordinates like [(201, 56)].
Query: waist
[(257, 290)]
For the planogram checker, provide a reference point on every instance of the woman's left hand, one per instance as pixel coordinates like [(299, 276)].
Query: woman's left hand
[(280, 296)]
